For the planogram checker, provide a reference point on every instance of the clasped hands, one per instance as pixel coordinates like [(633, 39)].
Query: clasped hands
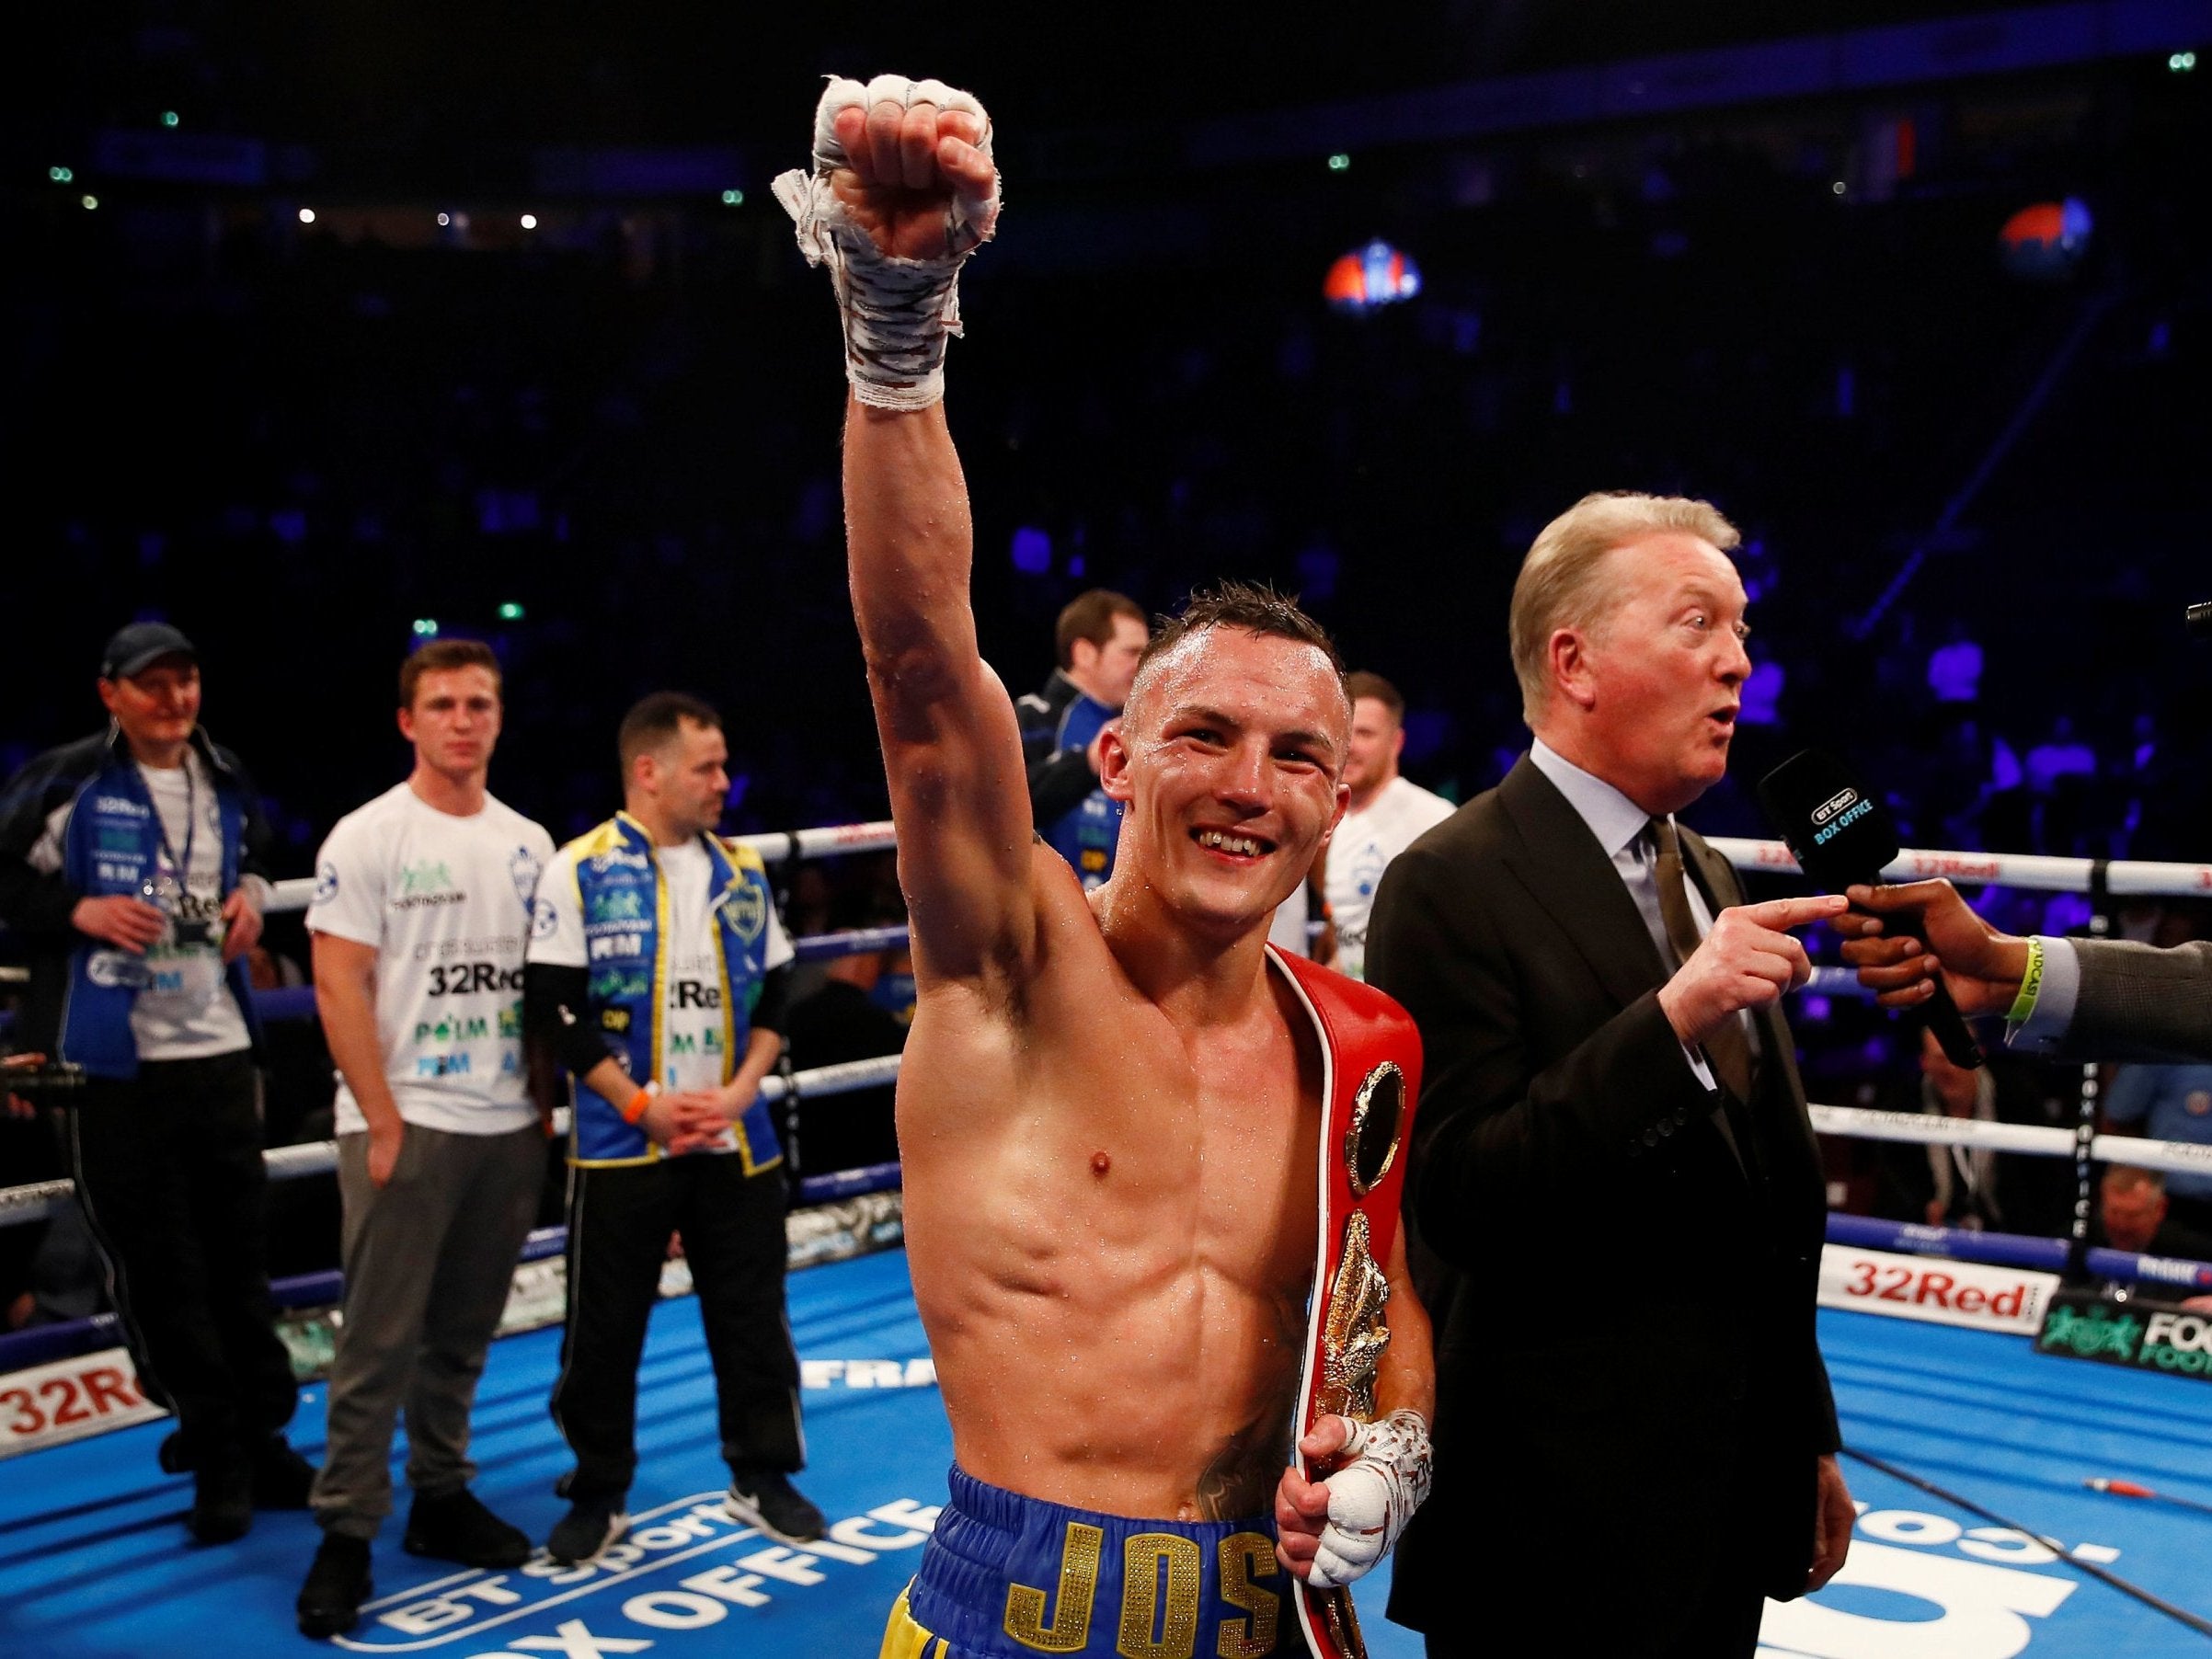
[(691, 1120)]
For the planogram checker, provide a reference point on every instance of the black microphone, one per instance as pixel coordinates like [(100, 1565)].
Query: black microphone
[(1841, 836), (2200, 620)]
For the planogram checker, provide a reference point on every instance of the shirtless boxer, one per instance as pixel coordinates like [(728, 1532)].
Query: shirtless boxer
[(1109, 1106)]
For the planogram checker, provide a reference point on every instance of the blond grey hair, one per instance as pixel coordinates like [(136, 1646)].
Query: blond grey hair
[(1559, 586)]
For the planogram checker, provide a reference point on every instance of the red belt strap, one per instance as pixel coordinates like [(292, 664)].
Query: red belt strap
[(1370, 1079)]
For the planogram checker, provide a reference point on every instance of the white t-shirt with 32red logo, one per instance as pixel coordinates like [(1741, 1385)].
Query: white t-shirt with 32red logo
[(445, 902)]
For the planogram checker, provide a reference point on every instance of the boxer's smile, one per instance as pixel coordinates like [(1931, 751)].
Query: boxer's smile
[(1236, 846)]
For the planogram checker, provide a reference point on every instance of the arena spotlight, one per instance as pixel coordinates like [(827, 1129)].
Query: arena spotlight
[(2182, 62), (529, 222), (510, 611), (306, 215), (426, 627), (169, 117), (444, 219), (89, 202), (1369, 276), (733, 198), (60, 175), (1340, 162), (2048, 240)]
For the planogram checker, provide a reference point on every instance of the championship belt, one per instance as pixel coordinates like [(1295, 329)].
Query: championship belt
[(1371, 1078)]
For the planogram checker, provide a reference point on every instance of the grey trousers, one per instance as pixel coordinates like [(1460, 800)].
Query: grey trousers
[(427, 1263)]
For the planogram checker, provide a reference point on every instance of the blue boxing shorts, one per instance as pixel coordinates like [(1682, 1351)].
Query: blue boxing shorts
[(1008, 1578)]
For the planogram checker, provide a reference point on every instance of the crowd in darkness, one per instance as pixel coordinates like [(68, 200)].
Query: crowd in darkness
[(298, 442)]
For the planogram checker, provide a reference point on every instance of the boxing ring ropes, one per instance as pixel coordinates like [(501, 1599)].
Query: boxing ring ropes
[(2102, 880)]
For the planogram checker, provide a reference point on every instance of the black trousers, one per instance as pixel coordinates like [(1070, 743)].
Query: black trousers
[(168, 1170), (1665, 1603), (619, 1222), (1721, 1624)]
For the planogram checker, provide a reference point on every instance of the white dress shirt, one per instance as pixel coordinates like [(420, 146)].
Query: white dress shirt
[(1619, 823)]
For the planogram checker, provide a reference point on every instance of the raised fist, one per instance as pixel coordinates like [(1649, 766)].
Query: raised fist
[(909, 161), (902, 190)]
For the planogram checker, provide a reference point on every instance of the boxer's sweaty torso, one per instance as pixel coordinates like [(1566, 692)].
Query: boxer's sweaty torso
[(1110, 1218)]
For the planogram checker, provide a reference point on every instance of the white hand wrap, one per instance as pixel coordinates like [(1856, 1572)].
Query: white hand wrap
[(1373, 1496), (897, 313)]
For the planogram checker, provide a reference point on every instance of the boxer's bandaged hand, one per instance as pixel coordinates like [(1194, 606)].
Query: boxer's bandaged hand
[(1383, 1479), (897, 313)]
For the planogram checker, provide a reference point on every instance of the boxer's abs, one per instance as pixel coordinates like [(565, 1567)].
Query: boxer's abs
[(1111, 1239), (1119, 1357)]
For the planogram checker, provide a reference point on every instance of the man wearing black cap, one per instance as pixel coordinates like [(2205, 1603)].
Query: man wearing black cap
[(130, 863)]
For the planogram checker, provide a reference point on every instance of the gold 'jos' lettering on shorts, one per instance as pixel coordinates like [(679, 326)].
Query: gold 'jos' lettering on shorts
[(1142, 1555), (1071, 1625), (1245, 1556)]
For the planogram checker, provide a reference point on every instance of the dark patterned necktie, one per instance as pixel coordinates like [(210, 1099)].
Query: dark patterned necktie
[(1726, 1051)]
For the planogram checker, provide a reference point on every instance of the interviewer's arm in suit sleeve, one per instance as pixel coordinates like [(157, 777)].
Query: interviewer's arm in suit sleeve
[(2139, 1002), (2130, 1002)]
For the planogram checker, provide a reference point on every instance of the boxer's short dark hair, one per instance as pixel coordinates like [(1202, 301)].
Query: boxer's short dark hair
[(1090, 616), (439, 656), (655, 719), (1362, 683), (1251, 607)]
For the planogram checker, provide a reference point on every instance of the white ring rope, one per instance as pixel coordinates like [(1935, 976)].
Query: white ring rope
[(1930, 1129), (43, 1198), (2123, 877), (2129, 877), (2032, 871), (829, 841), (773, 848)]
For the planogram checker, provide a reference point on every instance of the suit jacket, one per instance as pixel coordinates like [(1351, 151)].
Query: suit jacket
[(1630, 1395), (2141, 1003)]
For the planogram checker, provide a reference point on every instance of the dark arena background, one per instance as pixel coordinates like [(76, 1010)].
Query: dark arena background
[(336, 327)]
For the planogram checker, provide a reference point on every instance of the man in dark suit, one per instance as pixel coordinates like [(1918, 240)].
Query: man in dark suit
[(1611, 1099)]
